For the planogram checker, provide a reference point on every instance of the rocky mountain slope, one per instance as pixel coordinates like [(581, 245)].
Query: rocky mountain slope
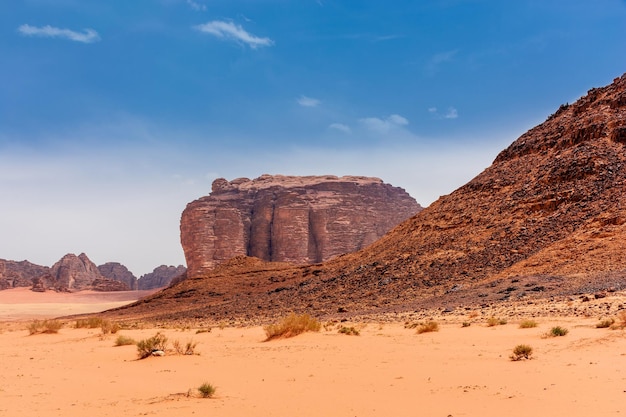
[(290, 219), (118, 272), (161, 276), (19, 274), (546, 219)]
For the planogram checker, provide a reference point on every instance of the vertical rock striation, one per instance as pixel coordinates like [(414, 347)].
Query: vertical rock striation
[(290, 219)]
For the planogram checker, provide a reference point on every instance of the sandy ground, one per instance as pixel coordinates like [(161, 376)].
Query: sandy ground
[(388, 370), (22, 303)]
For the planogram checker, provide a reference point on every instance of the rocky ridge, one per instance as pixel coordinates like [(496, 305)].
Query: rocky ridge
[(118, 272), (546, 219), (290, 219), (161, 276)]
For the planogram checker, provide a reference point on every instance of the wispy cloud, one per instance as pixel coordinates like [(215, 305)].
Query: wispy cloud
[(233, 32), (384, 125), (340, 127), (438, 59), (87, 36), (305, 101), (451, 113), (196, 6)]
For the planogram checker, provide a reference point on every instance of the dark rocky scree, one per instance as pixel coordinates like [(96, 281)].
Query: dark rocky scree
[(549, 213)]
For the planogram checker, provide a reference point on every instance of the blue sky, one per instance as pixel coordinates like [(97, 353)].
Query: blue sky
[(115, 114)]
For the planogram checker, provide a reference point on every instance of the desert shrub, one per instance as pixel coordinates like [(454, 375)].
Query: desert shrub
[(108, 326), (621, 321), (145, 347), (207, 330), (188, 349), (431, 326), (124, 341), (521, 352), (44, 326), (494, 321), (557, 331), (466, 324), (603, 324), (207, 390), (291, 326), (528, 324), (88, 323), (350, 331), (411, 324)]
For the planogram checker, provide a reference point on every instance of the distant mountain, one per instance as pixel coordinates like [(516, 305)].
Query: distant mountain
[(161, 276), (547, 218), (118, 272), (19, 274)]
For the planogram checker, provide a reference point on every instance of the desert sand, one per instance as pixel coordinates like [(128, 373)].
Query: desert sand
[(388, 370)]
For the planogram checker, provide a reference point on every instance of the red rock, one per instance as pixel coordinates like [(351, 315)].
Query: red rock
[(290, 219), (118, 272), (161, 276)]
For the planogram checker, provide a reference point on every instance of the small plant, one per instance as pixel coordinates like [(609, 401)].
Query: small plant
[(493, 321), (411, 324), (292, 325), (603, 324), (621, 324), (528, 324), (431, 326), (207, 330), (466, 324), (207, 390), (521, 352), (155, 343), (44, 326), (557, 331), (124, 341), (108, 326), (188, 349), (350, 331), (88, 323)]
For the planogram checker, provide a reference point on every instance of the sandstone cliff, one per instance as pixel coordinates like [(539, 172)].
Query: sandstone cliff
[(118, 272), (290, 219), (19, 274), (546, 219), (160, 277)]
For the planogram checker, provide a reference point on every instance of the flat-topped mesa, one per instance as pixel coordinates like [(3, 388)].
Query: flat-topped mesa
[(305, 219)]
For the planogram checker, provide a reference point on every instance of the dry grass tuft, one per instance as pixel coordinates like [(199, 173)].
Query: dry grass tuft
[(350, 331), (431, 326), (557, 331), (292, 325), (44, 326), (207, 390), (528, 324), (494, 321), (188, 349), (521, 352), (603, 324), (146, 347), (124, 341)]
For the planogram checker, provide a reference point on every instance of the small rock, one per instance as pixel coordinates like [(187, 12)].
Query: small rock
[(158, 353)]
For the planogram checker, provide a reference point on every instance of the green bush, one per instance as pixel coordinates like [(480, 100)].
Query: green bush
[(558, 331), (147, 346), (291, 326)]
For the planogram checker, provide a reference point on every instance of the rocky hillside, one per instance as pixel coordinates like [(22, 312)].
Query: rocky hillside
[(290, 219), (546, 219), (118, 272), (19, 274), (161, 276)]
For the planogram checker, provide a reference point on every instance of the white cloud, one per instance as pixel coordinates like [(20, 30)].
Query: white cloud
[(305, 101), (230, 31), (384, 125), (452, 113), (196, 6), (340, 127), (435, 62), (87, 36)]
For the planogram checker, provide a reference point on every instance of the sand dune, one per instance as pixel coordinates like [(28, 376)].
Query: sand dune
[(388, 370)]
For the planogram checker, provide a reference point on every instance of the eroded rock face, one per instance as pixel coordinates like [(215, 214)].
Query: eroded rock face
[(19, 274), (74, 273), (118, 272), (290, 219), (160, 277)]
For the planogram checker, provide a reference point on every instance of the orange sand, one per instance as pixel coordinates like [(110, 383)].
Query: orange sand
[(386, 371)]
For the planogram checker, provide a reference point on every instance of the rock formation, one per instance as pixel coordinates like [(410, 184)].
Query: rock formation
[(546, 219), (290, 219), (160, 277), (19, 274), (118, 272), (72, 273)]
